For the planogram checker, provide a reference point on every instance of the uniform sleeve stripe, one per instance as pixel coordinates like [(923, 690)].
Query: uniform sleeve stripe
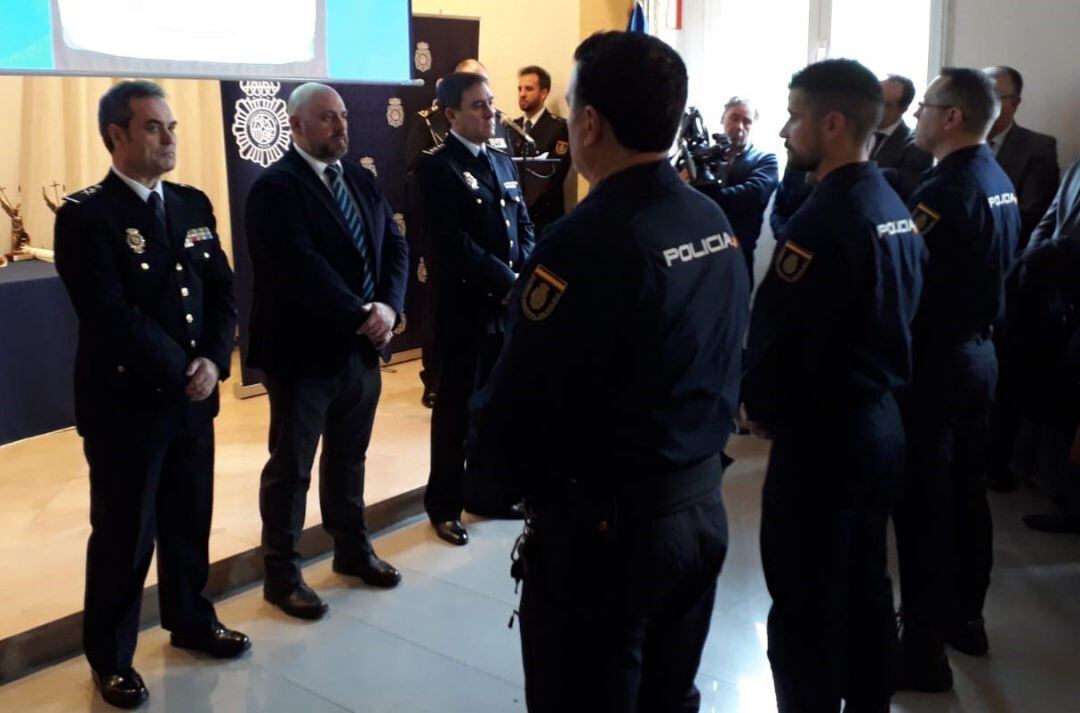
[(550, 277)]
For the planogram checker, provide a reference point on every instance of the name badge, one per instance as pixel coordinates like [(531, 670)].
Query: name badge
[(497, 142), (510, 184)]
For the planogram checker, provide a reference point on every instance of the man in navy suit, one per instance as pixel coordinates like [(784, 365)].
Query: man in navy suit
[(330, 270), (748, 179), (893, 144), (480, 234)]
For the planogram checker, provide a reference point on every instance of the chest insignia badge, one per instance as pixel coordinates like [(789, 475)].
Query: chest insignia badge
[(136, 241)]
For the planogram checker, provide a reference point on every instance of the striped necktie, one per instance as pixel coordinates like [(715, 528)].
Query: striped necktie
[(355, 223)]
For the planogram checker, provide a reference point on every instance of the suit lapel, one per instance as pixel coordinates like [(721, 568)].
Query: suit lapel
[(174, 211), (135, 210), (366, 208), (316, 187)]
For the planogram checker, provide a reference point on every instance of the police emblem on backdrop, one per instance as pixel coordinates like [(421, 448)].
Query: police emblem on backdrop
[(561, 147), (399, 218), (792, 261), (542, 292), (925, 218), (261, 124), (422, 57), (136, 241), (395, 113), (369, 163)]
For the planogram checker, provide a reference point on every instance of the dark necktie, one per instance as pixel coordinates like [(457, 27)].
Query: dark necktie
[(355, 224), (528, 126), (879, 139), (158, 207)]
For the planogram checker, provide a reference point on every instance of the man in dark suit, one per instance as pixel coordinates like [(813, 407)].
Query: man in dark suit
[(480, 235), (144, 268), (893, 144), (431, 131), (1028, 157), (747, 179), (551, 137), (330, 272)]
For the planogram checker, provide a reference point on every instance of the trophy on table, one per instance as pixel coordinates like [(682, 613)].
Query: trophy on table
[(59, 190)]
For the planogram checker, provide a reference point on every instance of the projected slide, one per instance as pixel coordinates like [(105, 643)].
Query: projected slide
[(340, 40)]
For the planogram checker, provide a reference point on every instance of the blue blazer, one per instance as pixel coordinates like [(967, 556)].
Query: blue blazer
[(750, 183)]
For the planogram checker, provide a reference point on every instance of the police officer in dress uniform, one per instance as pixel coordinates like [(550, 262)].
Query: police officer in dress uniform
[(967, 211), (613, 399), (428, 133), (480, 235), (550, 137), (142, 263), (829, 343)]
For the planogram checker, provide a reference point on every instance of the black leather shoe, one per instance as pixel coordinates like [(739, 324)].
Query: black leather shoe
[(371, 569), (452, 531), (123, 690), (428, 399), (219, 642), (301, 601), (514, 512), (1052, 522), (969, 638), (922, 670)]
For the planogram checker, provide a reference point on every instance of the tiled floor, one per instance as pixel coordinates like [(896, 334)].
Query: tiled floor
[(45, 495), (440, 641)]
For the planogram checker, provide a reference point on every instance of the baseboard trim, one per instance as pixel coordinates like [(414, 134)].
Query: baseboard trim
[(51, 643)]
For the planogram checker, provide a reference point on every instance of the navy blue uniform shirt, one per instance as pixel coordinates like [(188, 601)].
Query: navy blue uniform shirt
[(626, 327), (967, 212), (832, 319)]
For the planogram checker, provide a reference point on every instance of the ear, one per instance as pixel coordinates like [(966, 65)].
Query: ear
[(833, 124), (294, 124), (593, 126), (450, 113), (117, 134)]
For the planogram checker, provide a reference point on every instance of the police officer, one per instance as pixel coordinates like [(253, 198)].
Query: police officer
[(829, 344), (967, 211), (549, 136), (479, 235), (613, 399), (428, 132), (144, 268)]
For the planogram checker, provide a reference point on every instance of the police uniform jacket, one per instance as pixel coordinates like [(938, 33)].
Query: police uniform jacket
[(308, 271), (478, 232), (831, 325), (744, 194), (899, 152), (552, 137), (623, 358), (967, 213), (792, 192), (149, 301), (1029, 159)]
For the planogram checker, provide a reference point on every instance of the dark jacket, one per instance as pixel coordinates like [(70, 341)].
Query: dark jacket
[(307, 304), (900, 153), (553, 138), (745, 193), (1029, 159), (479, 235), (148, 302)]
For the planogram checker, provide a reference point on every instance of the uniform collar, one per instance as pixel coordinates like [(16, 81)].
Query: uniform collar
[(963, 155), (535, 117), (319, 167), (140, 190), (474, 149)]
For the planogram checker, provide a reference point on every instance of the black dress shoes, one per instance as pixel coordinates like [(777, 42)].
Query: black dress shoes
[(301, 601), (123, 690), (969, 638), (514, 512), (452, 531), (219, 642), (428, 399), (371, 569)]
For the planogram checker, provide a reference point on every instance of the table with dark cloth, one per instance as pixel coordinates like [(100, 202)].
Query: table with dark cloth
[(38, 333)]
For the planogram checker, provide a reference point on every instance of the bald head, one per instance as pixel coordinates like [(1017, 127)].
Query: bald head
[(318, 120), (471, 65)]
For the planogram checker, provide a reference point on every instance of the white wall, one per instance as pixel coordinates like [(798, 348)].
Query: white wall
[(1040, 38)]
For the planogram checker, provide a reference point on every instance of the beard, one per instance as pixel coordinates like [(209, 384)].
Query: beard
[(331, 149), (807, 161)]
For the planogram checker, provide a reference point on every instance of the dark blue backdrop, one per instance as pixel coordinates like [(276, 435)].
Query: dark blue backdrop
[(380, 119)]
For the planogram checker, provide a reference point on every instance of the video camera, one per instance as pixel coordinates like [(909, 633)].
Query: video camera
[(699, 155)]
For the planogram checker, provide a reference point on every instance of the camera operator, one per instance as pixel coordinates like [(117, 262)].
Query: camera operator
[(746, 177)]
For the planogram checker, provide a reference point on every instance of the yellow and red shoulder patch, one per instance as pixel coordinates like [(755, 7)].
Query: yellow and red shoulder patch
[(542, 293), (792, 261), (925, 218)]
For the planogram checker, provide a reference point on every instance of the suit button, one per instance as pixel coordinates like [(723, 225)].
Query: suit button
[(478, 201), (189, 318), (184, 292), (511, 263), (120, 369), (179, 267), (511, 243), (517, 199), (144, 265), (502, 202), (507, 223), (206, 255), (192, 343), (158, 389)]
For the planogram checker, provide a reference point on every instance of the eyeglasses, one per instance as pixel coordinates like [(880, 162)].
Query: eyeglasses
[(924, 105)]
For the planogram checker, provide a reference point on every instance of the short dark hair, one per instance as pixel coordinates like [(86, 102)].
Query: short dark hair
[(972, 92), (739, 101), (645, 118), (115, 105), (1014, 77), (453, 86), (907, 89), (844, 86), (540, 72)]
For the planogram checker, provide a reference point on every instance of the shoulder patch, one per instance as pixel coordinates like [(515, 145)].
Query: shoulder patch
[(792, 261), (561, 147), (925, 218), (435, 149), (542, 293), (84, 194)]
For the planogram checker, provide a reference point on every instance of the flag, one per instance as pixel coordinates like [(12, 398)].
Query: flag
[(637, 20)]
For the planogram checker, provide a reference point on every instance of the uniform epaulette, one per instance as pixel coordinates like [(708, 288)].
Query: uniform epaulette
[(424, 113), (556, 117), (174, 184), (434, 149), (496, 149), (83, 195)]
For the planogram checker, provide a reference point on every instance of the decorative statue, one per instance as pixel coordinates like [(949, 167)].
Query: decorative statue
[(54, 202), (20, 239)]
